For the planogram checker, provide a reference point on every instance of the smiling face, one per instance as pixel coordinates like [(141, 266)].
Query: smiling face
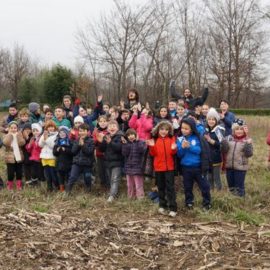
[(125, 116), (83, 133), (82, 112), (224, 106), (103, 123), (59, 113), (131, 95), (51, 129), (67, 102), (239, 131), (205, 109), (13, 128), (187, 93), (48, 116), (131, 137), (212, 122), (186, 129), (62, 134), (172, 106), (24, 117), (106, 108), (163, 131), (180, 111), (12, 111), (35, 132), (163, 112), (112, 129)]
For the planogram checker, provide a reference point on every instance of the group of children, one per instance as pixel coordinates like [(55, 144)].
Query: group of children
[(185, 138)]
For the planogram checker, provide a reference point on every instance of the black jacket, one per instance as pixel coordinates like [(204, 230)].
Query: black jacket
[(83, 155), (64, 157), (113, 151)]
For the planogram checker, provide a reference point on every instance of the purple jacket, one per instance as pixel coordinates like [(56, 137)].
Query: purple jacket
[(134, 157)]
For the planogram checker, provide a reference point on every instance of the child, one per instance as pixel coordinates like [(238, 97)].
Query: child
[(74, 133), (12, 116), (214, 137), (35, 114), (238, 148), (14, 142), (172, 108), (48, 161), (106, 108), (98, 135), (83, 159), (27, 135), (199, 126), (193, 152), (62, 150), (133, 150), (59, 118), (34, 150), (123, 120), (23, 118), (112, 147), (163, 149), (48, 115)]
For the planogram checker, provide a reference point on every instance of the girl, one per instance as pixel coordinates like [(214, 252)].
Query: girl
[(14, 142), (133, 150), (193, 152), (34, 150), (62, 150), (74, 133), (46, 142), (214, 136), (238, 148), (27, 135), (163, 149), (162, 114), (98, 134)]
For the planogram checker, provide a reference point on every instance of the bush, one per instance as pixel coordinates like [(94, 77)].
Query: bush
[(257, 112)]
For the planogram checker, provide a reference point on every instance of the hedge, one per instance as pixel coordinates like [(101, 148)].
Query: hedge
[(251, 111)]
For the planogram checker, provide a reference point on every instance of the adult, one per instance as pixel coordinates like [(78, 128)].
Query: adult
[(132, 99), (35, 114), (190, 102), (226, 118), (12, 116)]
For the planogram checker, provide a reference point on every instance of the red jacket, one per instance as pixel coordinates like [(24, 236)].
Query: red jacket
[(163, 154), (34, 150), (97, 143)]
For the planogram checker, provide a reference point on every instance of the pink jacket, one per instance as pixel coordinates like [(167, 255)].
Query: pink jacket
[(34, 149), (142, 125)]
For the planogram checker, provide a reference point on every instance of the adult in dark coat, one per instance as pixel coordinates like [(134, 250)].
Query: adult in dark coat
[(190, 102), (226, 118)]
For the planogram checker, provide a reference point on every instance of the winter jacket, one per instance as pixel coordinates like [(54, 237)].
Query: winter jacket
[(47, 146), (64, 156), (133, 153), (83, 155), (64, 122), (227, 122), (112, 151), (34, 118), (21, 124), (200, 128), (163, 154), (34, 149), (7, 141), (74, 134), (142, 125), (97, 143), (123, 125), (237, 153), (216, 134)]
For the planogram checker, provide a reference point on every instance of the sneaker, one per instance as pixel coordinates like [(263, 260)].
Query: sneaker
[(189, 206), (172, 214), (162, 211), (110, 199)]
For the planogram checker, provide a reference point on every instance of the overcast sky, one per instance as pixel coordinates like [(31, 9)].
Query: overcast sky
[(46, 28)]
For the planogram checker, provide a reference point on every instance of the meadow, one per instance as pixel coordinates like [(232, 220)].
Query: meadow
[(52, 231)]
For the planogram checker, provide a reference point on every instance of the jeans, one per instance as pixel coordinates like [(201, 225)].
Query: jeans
[(236, 181), (114, 175), (214, 178), (166, 191), (135, 186), (76, 170), (51, 177), (102, 175), (191, 175)]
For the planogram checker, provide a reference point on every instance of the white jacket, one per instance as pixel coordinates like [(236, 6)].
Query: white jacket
[(47, 146)]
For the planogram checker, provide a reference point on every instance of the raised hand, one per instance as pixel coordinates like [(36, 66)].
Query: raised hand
[(99, 98), (123, 140), (150, 142)]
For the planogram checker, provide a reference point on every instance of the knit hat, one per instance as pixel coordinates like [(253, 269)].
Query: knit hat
[(238, 123), (212, 113), (78, 119), (33, 107), (27, 126), (36, 126), (64, 129)]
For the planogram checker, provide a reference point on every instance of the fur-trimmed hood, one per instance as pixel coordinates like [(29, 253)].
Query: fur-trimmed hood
[(162, 123)]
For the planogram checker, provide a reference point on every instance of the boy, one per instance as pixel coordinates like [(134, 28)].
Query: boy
[(83, 159), (12, 116), (24, 115), (172, 108), (59, 118)]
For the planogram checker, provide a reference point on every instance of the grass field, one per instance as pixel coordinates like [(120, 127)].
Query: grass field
[(50, 231)]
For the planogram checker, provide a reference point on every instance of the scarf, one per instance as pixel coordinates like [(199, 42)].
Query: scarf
[(16, 149)]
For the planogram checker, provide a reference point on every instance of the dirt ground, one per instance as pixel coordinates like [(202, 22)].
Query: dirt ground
[(94, 239)]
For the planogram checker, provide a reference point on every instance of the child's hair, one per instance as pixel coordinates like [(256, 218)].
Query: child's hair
[(124, 111), (24, 111), (48, 110), (84, 126), (180, 105), (113, 122), (13, 123), (67, 97), (59, 107), (131, 131), (168, 117), (173, 100), (115, 108), (102, 117), (107, 103), (13, 105), (163, 124), (50, 123)]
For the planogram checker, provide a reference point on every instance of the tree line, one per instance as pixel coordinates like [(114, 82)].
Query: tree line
[(221, 44)]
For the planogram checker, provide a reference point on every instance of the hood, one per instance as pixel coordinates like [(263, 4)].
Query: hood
[(161, 123)]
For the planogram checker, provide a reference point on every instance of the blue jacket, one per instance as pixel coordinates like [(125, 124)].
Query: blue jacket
[(227, 122), (201, 129), (189, 157)]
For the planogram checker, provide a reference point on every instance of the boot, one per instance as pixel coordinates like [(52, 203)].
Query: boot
[(62, 188), (9, 185), (19, 184)]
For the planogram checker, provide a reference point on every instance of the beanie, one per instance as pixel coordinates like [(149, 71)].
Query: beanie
[(36, 126), (78, 119), (33, 107), (64, 129), (212, 113)]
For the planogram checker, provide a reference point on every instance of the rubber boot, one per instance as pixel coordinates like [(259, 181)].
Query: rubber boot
[(19, 184), (62, 188), (9, 185)]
